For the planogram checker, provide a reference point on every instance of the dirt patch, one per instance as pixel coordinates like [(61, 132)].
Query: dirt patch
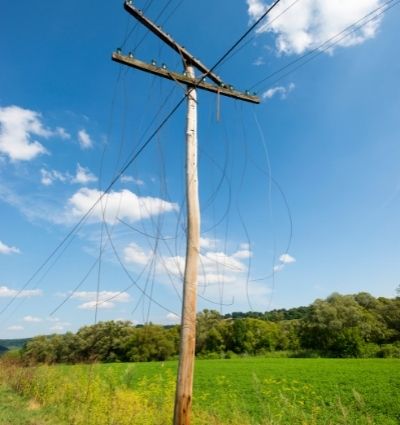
[(33, 405)]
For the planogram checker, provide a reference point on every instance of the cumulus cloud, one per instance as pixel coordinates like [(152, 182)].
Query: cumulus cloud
[(309, 23), (214, 266), (124, 205), (210, 278), (284, 260), (6, 292), (18, 126), (5, 249), (222, 276), (208, 243), (287, 259), (243, 253), (130, 179), (85, 140), (282, 91), (172, 317), (60, 327), (133, 253), (32, 319), (91, 305), (48, 177), (83, 175), (62, 133), (102, 300)]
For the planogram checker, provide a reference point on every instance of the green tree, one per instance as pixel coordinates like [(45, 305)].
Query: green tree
[(340, 325), (207, 320), (151, 343)]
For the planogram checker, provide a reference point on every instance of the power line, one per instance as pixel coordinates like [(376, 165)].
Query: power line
[(231, 49), (135, 156), (253, 37), (129, 34), (329, 43), (157, 18)]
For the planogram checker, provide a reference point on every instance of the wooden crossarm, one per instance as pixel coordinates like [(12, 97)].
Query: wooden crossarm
[(138, 14), (163, 72)]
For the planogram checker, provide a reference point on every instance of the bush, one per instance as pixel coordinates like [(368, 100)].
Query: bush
[(390, 351), (369, 350)]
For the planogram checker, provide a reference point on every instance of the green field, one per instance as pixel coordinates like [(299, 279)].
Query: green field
[(235, 391)]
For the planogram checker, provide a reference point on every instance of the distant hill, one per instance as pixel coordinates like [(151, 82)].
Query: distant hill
[(3, 349), (12, 344)]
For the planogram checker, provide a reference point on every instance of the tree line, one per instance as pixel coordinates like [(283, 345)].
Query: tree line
[(357, 325)]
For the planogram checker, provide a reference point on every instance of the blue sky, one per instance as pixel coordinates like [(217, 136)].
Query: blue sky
[(327, 133)]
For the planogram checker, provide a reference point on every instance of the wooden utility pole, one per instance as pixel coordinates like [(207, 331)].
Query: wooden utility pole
[(184, 386)]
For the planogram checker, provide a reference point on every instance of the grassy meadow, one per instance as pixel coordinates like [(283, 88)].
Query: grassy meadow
[(237, 391)]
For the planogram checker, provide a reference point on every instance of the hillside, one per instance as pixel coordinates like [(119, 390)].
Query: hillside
[(11, 344)]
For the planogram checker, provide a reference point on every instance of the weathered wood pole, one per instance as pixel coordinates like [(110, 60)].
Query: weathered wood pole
[(184, 385)]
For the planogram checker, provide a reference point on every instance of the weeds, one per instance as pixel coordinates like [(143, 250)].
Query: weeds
[(121, 395)]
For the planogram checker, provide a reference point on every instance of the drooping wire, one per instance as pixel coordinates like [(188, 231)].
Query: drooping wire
[(133, 158), (271, 213)]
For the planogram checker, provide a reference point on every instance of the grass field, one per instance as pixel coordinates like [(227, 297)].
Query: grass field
[(17, 410), (236, 391)]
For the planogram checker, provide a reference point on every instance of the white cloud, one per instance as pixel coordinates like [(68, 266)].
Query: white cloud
[(208, 243), (130, 179), (124, 205), (17, 126), (83, 175), (287, 259), (101, 296), (6, 292), (103, 300), (85, 140), (279, 268), (214, 267), (50, 176), (32, 319), (60, 326), (172, 317), (134, 254), (215, 260), (5, 249), (57, 328), (284, 260), (222, 276), (279, 90), (243, 253), (210, 278), (101, 305), (309, 23), (61, 132), (15, 328)]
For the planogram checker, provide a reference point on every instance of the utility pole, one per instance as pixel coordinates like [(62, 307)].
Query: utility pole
[(184, 386)]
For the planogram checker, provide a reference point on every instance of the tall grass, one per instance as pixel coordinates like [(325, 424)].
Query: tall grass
[(83, 396), (99, 395)]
